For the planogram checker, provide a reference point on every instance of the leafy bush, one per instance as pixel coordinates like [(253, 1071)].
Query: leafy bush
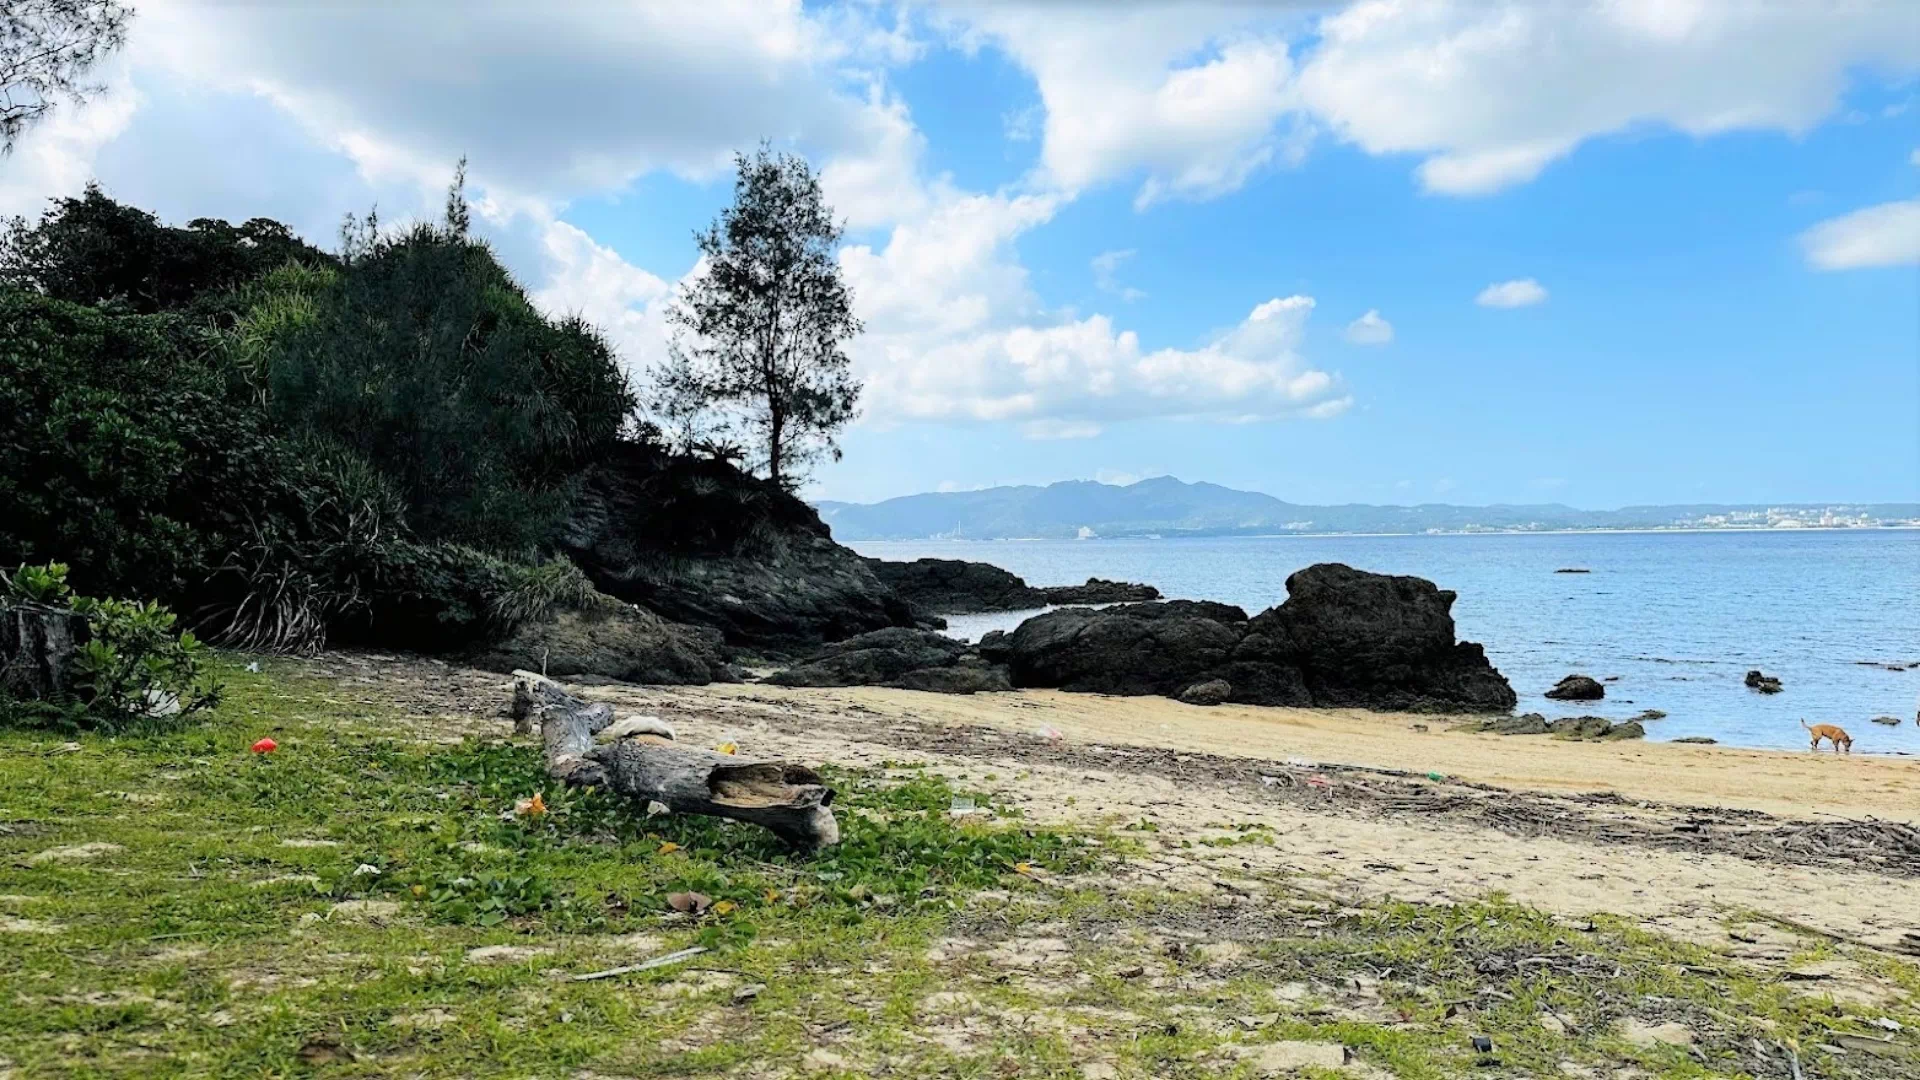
[(44, 585), (133, 669), (120, 453)]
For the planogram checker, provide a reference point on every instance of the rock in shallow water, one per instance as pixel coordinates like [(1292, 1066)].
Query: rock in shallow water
[(957, 587), (1577, 688), (1100, 591), (1344, 637)]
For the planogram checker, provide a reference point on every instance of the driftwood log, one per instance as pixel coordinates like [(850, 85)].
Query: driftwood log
[(644, 763)]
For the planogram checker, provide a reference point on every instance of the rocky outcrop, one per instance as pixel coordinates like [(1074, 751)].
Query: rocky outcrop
[(614, 640), (698, 542), (1763, 683), (1577, 728), (1100, 591), (1577, 688), (1211, 692), (1344, 637), (899, 657), (957, 587), (1156, 648)]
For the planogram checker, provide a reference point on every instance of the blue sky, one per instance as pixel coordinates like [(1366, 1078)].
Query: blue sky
[(1630, 253)]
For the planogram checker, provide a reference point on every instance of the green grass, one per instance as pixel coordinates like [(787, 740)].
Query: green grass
[(207, 945)]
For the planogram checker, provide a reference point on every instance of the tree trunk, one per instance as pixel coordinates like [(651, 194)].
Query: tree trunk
[(646, 765), (37, 644), (776, 430)]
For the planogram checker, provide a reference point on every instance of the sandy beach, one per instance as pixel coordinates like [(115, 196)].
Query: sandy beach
[(1781, 783)]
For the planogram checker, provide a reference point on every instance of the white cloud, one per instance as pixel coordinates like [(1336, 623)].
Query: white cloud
[(1105, 267), (1521, 292), (1060, 429), (955, 333), (56, 156), (1490, 93), (879, 183), (1883, 235), (1186, 94), (548, 101), (627, 303), (1370, 329), (1117, 477), (1914, 158), (1194, 98)]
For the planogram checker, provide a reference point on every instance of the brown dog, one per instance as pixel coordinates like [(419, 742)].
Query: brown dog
[(1835, 735)]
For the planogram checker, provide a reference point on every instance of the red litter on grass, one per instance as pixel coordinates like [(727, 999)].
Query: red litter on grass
[(265, 746)]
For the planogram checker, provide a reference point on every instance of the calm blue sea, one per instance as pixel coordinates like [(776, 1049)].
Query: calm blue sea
[(1678, 617)]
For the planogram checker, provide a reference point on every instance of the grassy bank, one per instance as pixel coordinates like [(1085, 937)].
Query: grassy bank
[(364, 901)]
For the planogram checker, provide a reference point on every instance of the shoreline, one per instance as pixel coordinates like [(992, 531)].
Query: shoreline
[(1793, 784)]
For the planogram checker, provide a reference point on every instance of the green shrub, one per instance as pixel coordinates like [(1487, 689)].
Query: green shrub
[(425, 359), (531, 593), (119, 452), (44, 585), (132, 671)]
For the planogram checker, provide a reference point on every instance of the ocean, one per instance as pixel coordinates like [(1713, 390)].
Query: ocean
[(1677, 617)]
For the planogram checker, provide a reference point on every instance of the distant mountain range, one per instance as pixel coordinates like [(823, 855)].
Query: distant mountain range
[(1164, 506)]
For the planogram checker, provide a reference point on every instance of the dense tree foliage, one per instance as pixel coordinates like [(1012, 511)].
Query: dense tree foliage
[(47, 48), (281, 443), (763, 329), (93, 250), (423, 357)]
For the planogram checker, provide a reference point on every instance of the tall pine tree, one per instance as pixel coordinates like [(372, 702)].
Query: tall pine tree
[(762, 332)]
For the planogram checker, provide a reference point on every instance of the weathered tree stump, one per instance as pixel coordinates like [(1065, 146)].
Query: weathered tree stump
[(645, 764), (37, 644)]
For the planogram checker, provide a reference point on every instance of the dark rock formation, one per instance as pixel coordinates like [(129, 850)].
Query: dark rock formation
[(995, 647), (1887, 721), (1525, 724), (1594, 728), (1765, 684), (910, 659), (1211, 692), (1344, 637), (1573, 570), (1699, 740), (956, 587), (1100, 591), (1578, 728), (614, 640), (1577, 688), (698, 542), (1651, 714), (1155, 648)]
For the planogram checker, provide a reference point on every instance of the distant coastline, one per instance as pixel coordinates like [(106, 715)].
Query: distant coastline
[(1903, 526), (1167, 507)]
